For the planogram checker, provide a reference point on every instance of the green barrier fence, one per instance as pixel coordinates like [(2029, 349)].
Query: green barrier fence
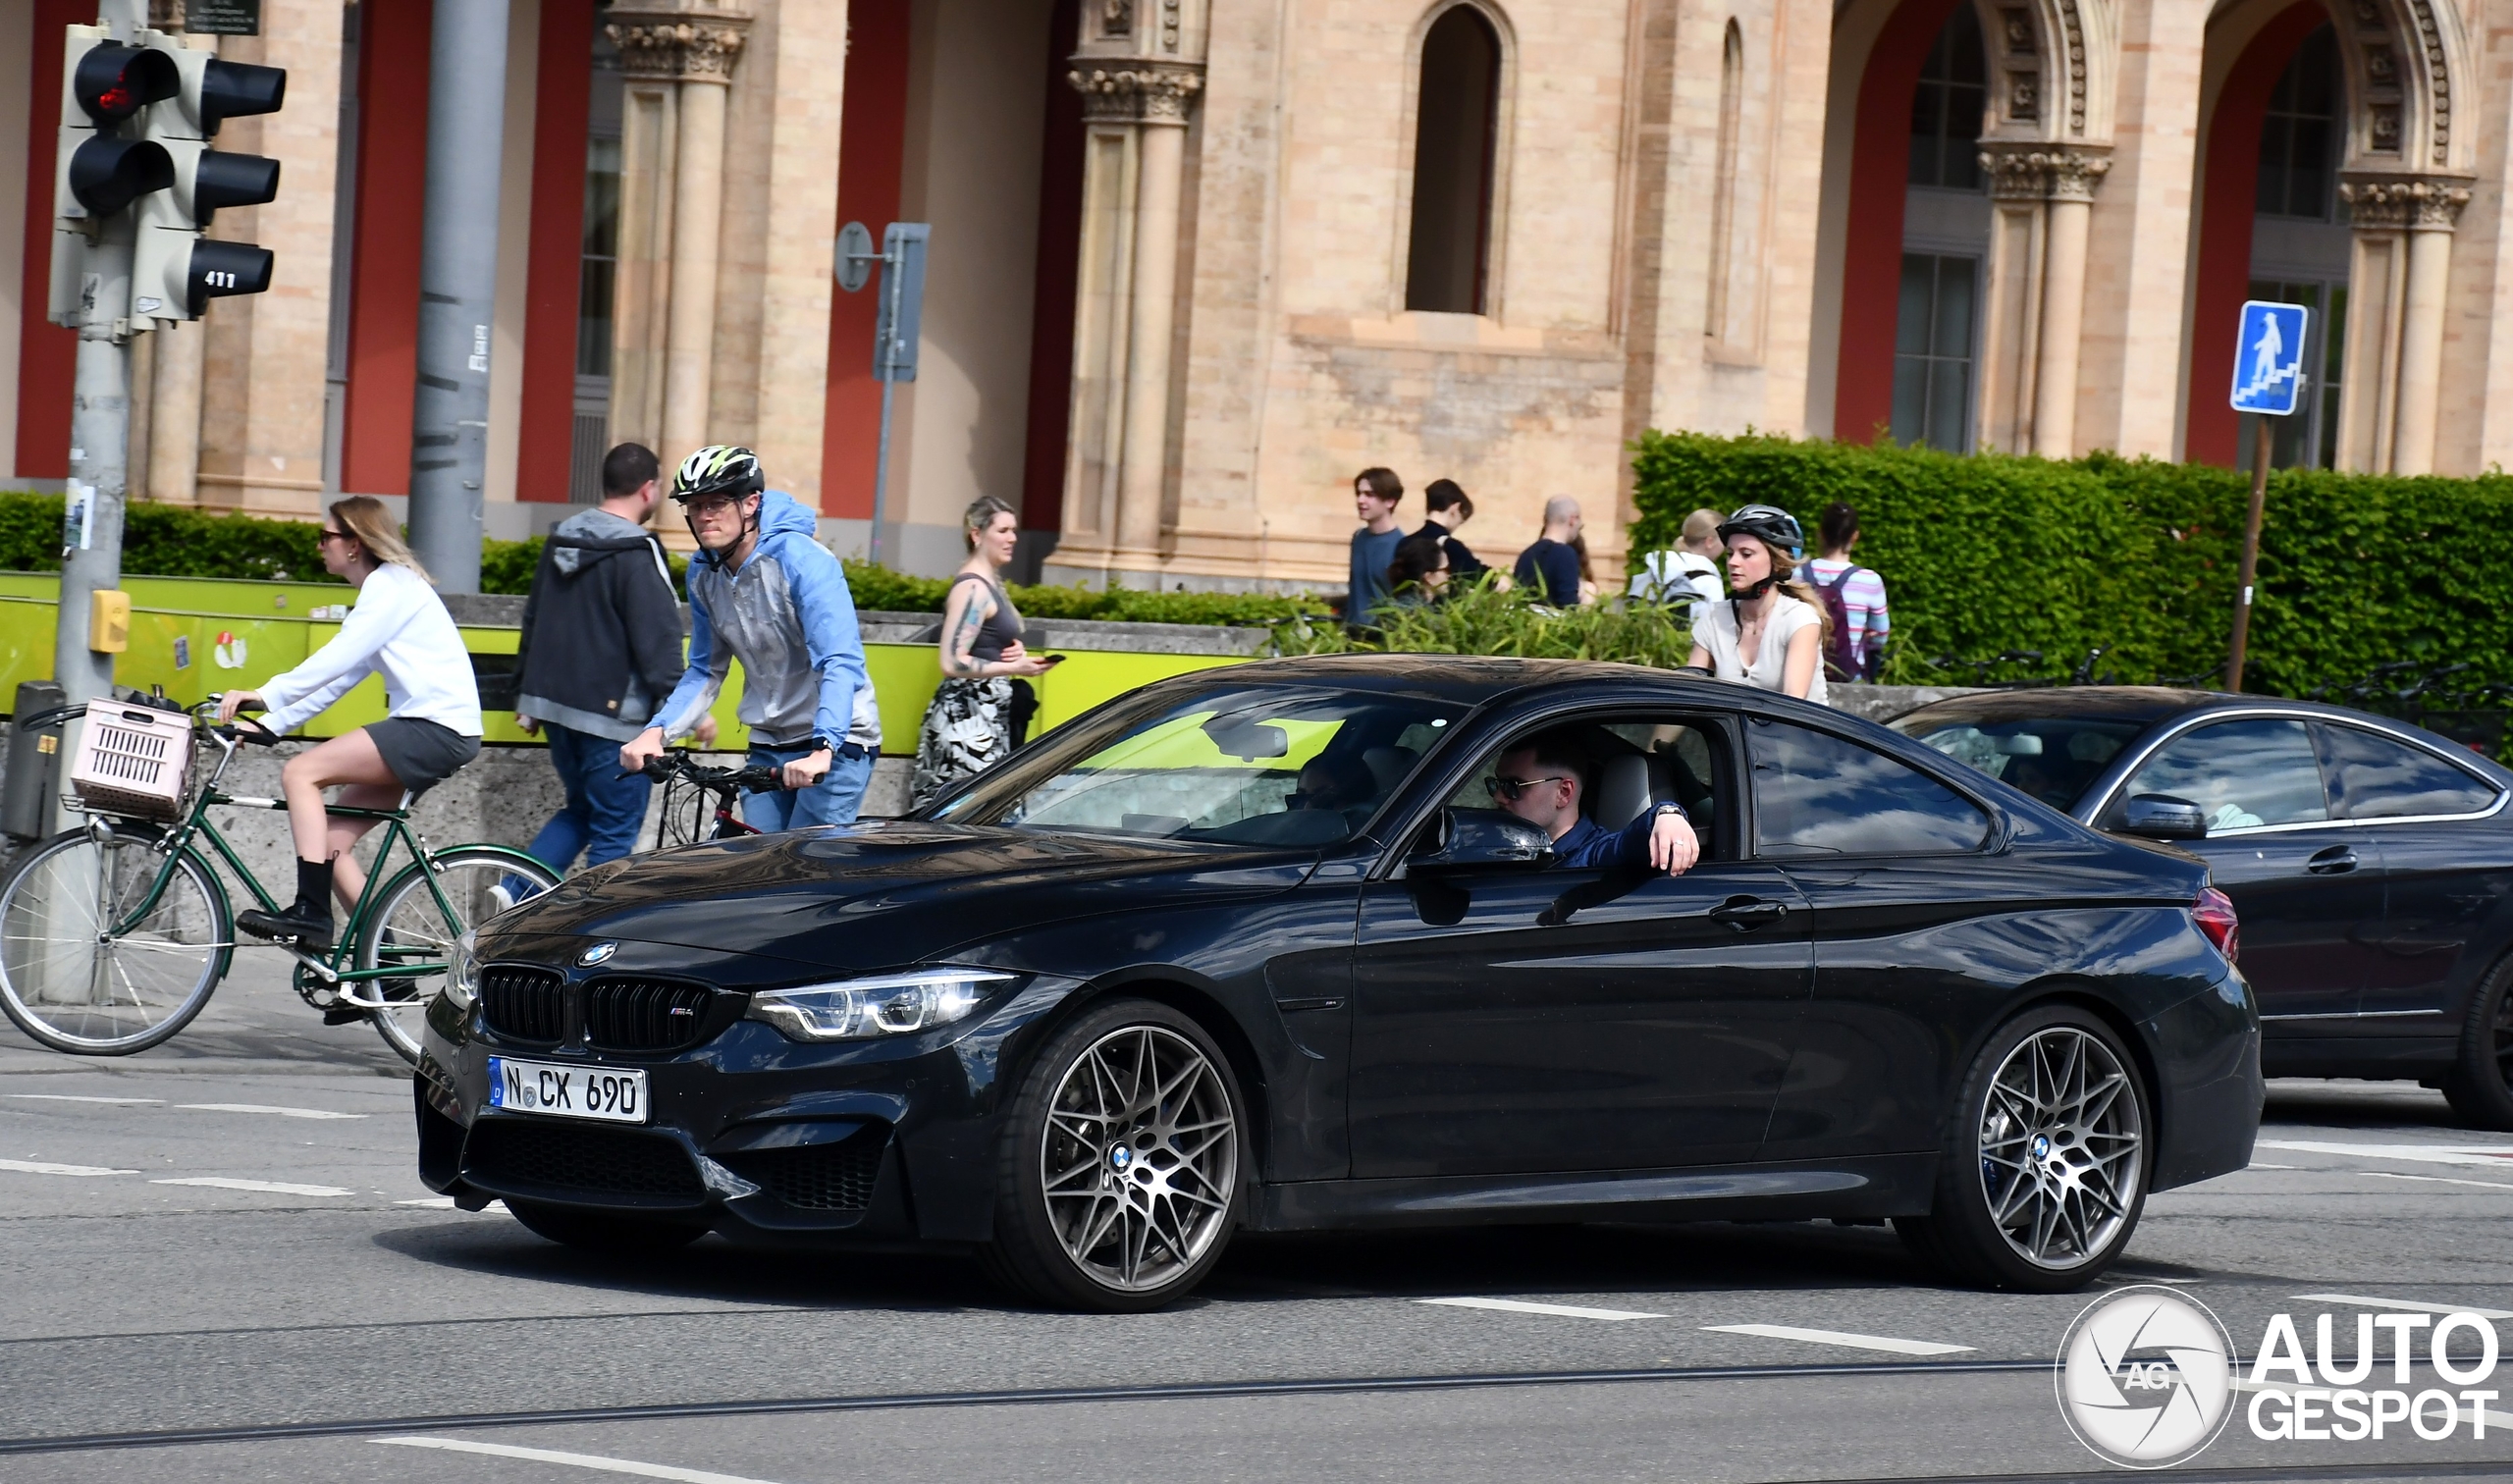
[(192, 637)]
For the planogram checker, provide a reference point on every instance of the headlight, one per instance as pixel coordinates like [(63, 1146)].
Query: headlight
[(462, 971), (891, 1004)]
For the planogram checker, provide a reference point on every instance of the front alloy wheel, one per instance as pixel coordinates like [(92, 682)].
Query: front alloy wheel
[(1123, 1154), (2047, 1166)]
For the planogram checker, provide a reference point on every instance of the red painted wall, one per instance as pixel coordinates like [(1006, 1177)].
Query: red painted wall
[(1058, 278), (871, 139), (384, 282), (47, 355), (1880, 172), (2231, 197), (561, 102)]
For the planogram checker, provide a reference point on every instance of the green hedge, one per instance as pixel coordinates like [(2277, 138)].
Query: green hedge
[(1986, 553), (1481, 620), (177, 540)]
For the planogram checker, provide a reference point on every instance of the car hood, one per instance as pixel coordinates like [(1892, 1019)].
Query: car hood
[(884, 893)]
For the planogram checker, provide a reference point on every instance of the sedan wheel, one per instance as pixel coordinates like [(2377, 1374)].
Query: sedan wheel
[(2046, 1166), (2481, 1087), (1121, 1178)]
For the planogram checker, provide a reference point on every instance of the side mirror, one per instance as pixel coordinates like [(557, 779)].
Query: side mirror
[(1483, 839), (2162, 817)]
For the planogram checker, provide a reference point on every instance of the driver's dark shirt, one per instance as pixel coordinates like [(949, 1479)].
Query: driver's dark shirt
[(1586, 845)]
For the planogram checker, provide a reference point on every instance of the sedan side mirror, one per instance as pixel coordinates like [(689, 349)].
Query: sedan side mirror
[(1483, 839), (2162, 817)]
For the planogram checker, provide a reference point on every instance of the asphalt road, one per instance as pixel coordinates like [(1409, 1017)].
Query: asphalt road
[(221, 1267)]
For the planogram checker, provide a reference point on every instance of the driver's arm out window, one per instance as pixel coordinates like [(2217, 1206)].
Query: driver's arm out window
[(1632, 764)]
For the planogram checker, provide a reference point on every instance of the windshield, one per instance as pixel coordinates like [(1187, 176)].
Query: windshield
[(1253, 764), (2054, 759)]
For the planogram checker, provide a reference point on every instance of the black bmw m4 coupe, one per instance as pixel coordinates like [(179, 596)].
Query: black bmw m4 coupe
[(1287, 946)]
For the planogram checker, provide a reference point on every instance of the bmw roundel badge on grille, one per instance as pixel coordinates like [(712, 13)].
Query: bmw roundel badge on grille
[(599, 953)]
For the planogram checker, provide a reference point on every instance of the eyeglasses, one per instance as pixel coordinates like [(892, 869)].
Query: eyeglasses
[(328, 534), (710, 505), (1513, 788)]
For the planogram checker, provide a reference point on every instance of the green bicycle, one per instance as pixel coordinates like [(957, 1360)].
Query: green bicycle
[(113, 936)]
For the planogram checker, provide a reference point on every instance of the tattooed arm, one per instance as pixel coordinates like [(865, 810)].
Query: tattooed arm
[(964, 614)]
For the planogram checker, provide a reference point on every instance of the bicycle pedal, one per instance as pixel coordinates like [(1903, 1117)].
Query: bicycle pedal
[(342, 1015)]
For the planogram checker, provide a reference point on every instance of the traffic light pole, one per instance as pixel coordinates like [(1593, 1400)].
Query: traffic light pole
[(99, 441)]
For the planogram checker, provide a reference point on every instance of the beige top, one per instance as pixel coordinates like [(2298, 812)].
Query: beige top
[(1714, 629)]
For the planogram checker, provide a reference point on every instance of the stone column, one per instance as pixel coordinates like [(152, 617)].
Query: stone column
[(1161, 100), (2403, 263), (174, 419), (677, 61), (2044, 205)]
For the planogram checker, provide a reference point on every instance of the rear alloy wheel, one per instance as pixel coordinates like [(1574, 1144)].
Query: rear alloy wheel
[(2481, 1087), (2046, 1161), (1119, 1178), (604, 1231)]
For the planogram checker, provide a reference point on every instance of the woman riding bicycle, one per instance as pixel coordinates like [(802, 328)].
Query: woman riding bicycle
[(399, 628)]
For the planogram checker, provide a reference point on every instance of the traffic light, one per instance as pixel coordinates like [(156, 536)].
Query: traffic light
[(136, 120), (174, 270)]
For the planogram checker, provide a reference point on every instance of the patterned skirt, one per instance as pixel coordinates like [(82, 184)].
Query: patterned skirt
[(968, 727)]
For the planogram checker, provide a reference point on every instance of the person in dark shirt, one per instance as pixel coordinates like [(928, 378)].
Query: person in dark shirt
[(1447, 508), (1375, 492), (1543, 781), (1550, 568)]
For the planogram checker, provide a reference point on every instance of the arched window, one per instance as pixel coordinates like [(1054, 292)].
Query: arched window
[(1945, 108), (1722, 201), (2298, 140), (1449, 256), (2299, 245)]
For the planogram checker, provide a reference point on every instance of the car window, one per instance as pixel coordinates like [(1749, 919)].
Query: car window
[(2242, 774), (2379, 778), (1816, 794), (1634, 762), (1262, 765), (2054, 759)]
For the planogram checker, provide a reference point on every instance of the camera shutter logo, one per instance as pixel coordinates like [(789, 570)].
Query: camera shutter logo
[(2146, 1377)]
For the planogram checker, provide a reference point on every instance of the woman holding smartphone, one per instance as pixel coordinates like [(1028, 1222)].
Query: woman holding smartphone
[(970, 726)]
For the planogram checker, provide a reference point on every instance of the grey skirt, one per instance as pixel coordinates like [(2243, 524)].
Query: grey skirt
[(421, 753)]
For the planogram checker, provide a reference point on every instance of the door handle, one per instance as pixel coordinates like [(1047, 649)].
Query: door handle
[(2337, 860), (1746, 914)]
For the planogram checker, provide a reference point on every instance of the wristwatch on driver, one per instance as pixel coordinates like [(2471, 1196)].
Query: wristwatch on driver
[(1678, 810)]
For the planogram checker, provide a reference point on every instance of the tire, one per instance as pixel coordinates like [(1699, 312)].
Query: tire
[(2481, 1087), (68, 983), (604, 1231), (2046, 1158), (1117, 1183), (408, 920)]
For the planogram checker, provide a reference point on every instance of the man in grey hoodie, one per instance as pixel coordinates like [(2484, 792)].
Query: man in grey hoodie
[(600, 649)]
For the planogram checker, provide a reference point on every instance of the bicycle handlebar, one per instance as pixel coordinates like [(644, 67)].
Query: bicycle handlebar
[(747, 779)]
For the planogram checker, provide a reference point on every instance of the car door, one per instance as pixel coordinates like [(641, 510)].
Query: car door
[(2446, 868), (1889, 862), (2306, 885), (1558, 1019)]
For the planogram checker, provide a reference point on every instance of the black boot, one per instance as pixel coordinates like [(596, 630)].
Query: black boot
[(308, 923)]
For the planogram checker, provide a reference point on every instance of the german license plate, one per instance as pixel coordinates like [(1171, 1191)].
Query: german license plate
[(610, 1094)]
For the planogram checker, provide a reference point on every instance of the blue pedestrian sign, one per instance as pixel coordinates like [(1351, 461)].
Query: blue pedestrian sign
[(2268, 358)]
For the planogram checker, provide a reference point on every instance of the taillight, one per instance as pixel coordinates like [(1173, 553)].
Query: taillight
[(2213, 912)]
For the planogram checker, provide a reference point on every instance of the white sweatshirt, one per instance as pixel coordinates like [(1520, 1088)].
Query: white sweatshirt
[(399, 627)]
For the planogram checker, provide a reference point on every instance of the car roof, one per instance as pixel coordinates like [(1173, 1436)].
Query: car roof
[(2143, 705), (1469, 679)]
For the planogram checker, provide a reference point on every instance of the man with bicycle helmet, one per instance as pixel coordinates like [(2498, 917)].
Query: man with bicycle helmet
[(764, 592)]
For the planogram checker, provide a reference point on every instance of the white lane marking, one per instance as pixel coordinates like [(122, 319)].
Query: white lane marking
[(2404, 1306), (433, 1202), (573, 1459), (1836, 1336), (265, 1108), (272, 1187), (74, 1097), (2491, 1157), (2483, 1185), (1522, 1306), (2257, 1165), (39, 1167)]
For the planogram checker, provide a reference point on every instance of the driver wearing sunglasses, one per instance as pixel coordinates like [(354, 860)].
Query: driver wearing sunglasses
[(1544, 780)]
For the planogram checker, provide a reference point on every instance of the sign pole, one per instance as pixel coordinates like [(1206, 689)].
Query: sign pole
[(2250, 553)]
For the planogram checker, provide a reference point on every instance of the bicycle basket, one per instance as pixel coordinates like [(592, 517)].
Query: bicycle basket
[(132, 760)]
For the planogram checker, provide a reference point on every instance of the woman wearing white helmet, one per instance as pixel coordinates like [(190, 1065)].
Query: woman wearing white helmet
[(1769, 632)]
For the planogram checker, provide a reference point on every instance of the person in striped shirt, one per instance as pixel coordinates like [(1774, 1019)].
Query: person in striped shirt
[(1860, 620)]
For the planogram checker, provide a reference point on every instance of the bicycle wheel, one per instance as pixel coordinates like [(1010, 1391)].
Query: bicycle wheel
[(409, 926), (69, 979)]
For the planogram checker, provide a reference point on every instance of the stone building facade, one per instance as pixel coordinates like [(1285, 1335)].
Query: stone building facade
[(1195, 264)]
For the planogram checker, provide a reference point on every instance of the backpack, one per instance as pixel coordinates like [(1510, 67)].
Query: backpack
[(1840, 665)]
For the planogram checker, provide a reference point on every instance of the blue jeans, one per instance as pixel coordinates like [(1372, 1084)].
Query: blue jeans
[(833, 800), (604, 812)]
